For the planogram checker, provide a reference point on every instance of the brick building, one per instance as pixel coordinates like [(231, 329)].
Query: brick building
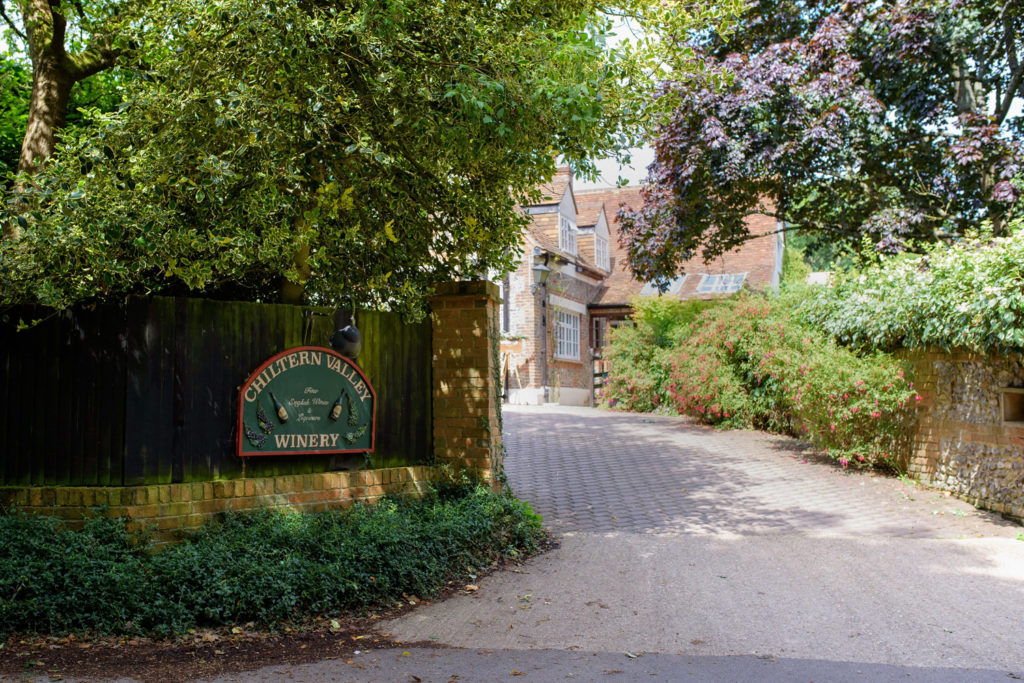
[(552, 332)]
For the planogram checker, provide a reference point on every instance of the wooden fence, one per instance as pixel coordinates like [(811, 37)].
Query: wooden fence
[(146, 392)]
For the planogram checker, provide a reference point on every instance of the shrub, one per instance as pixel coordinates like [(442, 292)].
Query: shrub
[(747, 363), (968, 295), (704, 381), (630, 384), (854, 407), (55, 580), (266, 566), (637, 354), (794, 267)]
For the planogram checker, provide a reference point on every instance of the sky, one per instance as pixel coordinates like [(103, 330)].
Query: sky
[(610, 170)]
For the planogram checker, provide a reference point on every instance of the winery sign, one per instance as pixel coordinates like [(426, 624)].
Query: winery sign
[(305, 400)]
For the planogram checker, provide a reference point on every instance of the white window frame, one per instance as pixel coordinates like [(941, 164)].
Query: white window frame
[(567, 235), (567, 334), (601, 252), (722, 283), (673, 286)]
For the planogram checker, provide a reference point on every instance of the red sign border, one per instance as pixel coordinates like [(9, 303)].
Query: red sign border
[(240, 428)]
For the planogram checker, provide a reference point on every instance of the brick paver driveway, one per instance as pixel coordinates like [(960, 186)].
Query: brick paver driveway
[(600, 471)]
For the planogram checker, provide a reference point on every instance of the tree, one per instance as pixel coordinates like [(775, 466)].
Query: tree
[(64, 50), (892, 122), (347, 151), (101, 91), (59, 61)]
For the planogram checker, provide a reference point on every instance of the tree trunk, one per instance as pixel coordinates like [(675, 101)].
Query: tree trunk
[(54, 72), (51, 89)]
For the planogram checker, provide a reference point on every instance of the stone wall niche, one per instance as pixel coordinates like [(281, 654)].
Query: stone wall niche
[(1012, 401)]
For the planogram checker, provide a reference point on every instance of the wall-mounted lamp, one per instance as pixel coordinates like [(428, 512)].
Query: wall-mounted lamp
[(540, 269)]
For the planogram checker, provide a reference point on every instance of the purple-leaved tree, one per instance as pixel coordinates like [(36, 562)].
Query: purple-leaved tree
[(899, 122)]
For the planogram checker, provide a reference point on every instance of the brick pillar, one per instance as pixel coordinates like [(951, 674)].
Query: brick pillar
[(467, 386)]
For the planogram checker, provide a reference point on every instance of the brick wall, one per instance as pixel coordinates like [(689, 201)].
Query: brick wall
[(962, 444), (525, 323), (467, 387), (466, 415), (178, 507)]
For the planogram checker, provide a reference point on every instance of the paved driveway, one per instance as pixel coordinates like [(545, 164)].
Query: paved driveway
[(596, 471), (692, 554)]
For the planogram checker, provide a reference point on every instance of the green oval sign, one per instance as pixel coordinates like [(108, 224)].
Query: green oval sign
[(309, 399)]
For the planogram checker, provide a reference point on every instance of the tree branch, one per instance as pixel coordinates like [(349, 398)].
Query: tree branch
[(38, 19), (1016, 70), (91, 60), (9, 22)]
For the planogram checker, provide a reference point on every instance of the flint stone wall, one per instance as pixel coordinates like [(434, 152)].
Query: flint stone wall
[(963, 445)]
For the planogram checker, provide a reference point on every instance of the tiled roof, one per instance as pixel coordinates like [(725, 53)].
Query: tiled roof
[(588, 208), (619, 286), (552, 192)]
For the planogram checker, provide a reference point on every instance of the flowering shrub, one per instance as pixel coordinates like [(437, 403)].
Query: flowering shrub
[(745, 362), (968, 295), (706, 380), (854, 407), (631, 383), (638, 353)]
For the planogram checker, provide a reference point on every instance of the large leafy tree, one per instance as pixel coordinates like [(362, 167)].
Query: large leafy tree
[(67, 42), (345, 151), (897, 122)]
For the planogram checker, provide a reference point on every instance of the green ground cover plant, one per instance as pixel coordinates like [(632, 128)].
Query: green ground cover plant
[(748, 362), (966, 295), (268, 566)]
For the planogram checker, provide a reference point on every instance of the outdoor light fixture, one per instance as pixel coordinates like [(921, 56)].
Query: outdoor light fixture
[(347, 341), (540, 269)]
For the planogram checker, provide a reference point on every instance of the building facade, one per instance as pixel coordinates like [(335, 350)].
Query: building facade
[(573, 283)]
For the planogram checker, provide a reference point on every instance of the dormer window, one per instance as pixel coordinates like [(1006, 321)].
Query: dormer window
[(721, 284), (601, 252), (566, 235)]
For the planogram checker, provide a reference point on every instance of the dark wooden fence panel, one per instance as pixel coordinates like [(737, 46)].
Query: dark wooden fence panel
[(146, 392)]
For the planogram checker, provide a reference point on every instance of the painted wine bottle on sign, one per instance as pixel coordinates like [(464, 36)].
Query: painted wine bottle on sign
[(321, 402)]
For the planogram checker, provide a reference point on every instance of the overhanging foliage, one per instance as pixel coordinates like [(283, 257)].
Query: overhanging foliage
[(363, 150), (895, 121)]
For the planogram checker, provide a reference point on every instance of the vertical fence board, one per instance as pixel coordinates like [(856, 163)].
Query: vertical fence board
[(22, 409), (69, 402), (14, 426), (34, 405), (257, 341), (108, 391), (149, 404), (48, 370), (180, 452), (7, 457)]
